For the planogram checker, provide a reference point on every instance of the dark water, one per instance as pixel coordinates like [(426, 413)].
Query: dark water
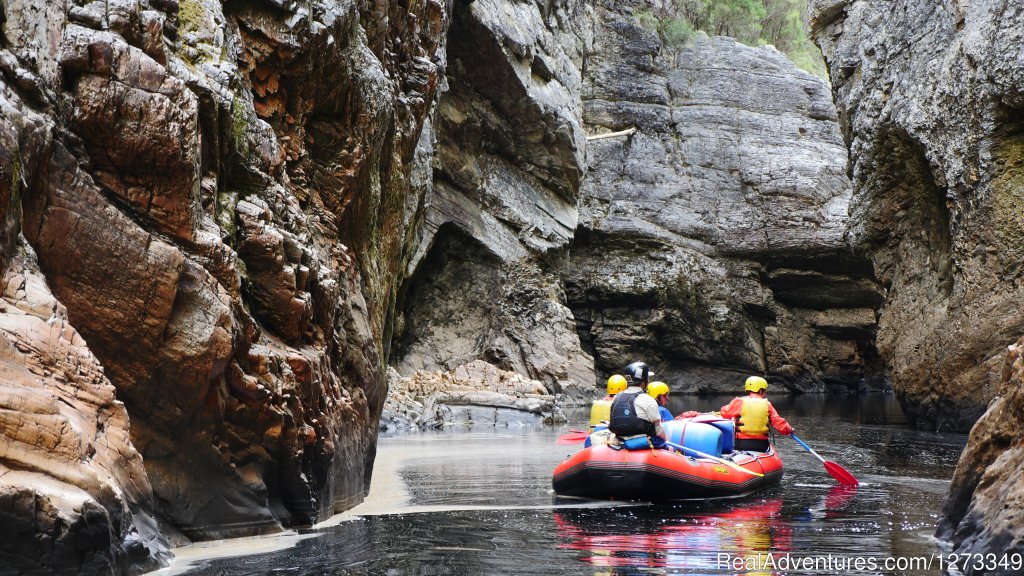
[(481, 503)]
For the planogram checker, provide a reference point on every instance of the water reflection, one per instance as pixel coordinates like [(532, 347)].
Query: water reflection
[(481, 503), (693, 542)]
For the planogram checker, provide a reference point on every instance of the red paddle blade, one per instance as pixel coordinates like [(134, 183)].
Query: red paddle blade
[(573, 438), (840, 474)]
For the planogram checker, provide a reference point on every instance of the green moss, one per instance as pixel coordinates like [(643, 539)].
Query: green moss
[(240, 125), (191, 15), (1008, 197), (226, 203), (15, 173), (11, 213)]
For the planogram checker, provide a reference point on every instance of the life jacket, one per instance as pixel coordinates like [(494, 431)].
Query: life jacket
[(624, 419), (600, 411), (753, 419)]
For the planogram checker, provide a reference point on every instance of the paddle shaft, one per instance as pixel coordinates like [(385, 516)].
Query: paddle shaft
[(806, 447), (835, 470), (710, 457)]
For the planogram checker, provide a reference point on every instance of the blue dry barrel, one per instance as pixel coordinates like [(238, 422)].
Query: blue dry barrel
[(697, 435)]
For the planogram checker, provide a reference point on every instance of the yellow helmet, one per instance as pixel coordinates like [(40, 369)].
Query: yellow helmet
[(755, 384), (616, 384), (655, 389)]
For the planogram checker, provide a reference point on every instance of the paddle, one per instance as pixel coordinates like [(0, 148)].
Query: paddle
[(573, 437), (835, 470), (710, 457)]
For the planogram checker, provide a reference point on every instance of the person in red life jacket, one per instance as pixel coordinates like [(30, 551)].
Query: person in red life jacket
[(752, 414), (634, 413), (659, 391)]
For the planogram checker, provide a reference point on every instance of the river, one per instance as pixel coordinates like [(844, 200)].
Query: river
[(480, 502)]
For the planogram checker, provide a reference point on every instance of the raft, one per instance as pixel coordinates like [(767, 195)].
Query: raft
[(605, 472)]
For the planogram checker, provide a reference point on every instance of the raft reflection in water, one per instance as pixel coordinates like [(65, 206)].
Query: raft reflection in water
[(659, 538), (626, 541)]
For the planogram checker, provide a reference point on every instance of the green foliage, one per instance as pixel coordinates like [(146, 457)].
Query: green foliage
[(740, 19), (677, 32), (781, 23), (648, 20)]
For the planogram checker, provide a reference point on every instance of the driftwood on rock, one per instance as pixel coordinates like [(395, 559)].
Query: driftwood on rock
[(627, 132)]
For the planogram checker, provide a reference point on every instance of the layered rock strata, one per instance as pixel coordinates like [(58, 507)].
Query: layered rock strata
[(473, 395), (930, 104), (502, 209), (711, 241), (74, 495), (222, 196)]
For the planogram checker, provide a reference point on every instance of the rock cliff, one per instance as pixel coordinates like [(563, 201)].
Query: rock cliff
[(501, 210), (930, 104), (220, 221), (930, 98), (74, 495), (711, 241), (205, 188)]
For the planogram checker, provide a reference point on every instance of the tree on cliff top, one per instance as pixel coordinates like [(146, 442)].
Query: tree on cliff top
[(781, 23)]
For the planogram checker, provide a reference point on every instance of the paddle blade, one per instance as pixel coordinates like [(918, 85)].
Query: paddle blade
[(840, 474), (572, 438)]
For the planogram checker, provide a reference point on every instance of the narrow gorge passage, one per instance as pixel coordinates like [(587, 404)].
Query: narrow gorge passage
[(479, 501)]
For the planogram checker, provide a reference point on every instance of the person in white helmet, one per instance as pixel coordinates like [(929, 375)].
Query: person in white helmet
[(634, 413)]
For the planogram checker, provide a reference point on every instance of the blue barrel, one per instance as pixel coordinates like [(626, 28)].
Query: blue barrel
[(697, 435), (728, 428)]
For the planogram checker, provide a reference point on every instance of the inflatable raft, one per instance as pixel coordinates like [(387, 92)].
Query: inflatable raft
[(603, 471)]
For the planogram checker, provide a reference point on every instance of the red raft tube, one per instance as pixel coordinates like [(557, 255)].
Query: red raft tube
[(603, 472)]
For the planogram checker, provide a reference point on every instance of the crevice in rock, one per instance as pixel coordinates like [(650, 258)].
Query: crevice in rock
[(448, 304), (1007, 191), (909, 218)]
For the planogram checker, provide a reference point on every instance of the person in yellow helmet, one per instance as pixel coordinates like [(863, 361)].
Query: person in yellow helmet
[(659, 391), (616, 384), (753, 413), (600, 410)]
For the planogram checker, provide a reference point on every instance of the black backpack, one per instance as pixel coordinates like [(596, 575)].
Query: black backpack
[(624, 420)]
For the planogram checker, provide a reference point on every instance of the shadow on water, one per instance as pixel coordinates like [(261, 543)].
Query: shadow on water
[(480, 502)]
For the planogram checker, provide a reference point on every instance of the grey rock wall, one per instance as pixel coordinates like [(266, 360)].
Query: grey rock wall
[(930, 96), (711, 241), (930, 103), (507, 165)]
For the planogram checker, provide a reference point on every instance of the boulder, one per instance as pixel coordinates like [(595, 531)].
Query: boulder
[(472, 395)]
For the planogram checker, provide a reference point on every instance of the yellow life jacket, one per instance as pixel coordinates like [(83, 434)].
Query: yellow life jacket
[(753, 417), (600, 411)]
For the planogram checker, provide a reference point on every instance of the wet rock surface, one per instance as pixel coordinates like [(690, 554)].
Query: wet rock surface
[(982, 513), (711, 241)]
